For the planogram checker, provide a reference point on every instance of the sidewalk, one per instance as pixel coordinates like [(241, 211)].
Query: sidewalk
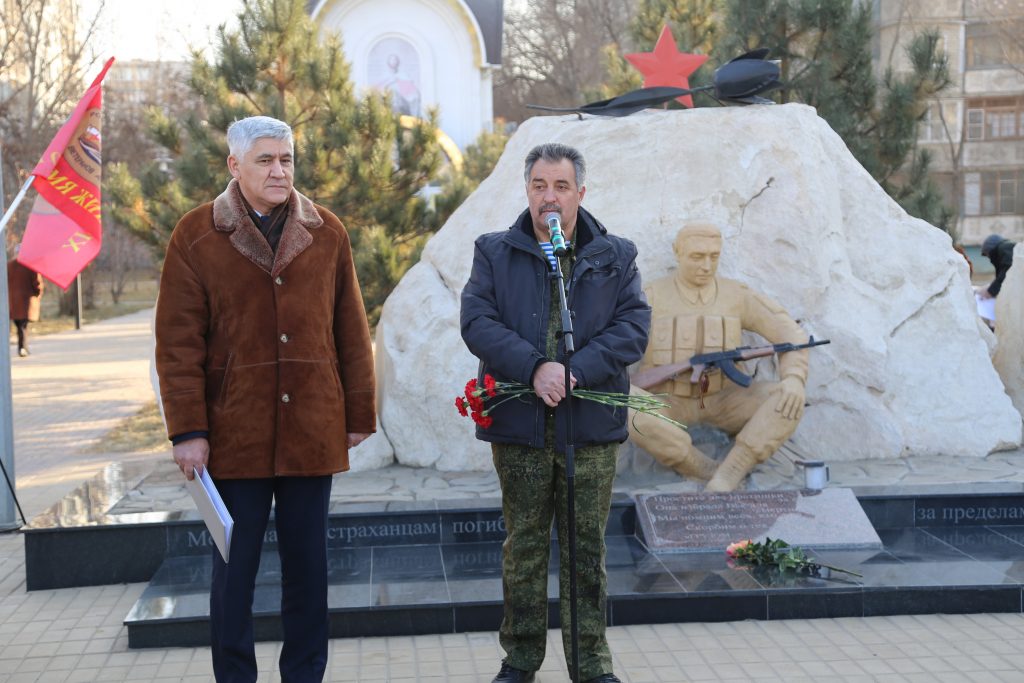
[(76, 385)]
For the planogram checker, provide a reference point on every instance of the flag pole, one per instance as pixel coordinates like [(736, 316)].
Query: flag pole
[(12, 208), (78, 301), (8, 521)]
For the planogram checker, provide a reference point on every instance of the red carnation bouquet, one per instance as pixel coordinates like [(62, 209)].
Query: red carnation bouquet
[(477, 402)]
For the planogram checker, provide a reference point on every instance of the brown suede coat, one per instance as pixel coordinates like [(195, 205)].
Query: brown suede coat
[(24, 291), (268, 353)]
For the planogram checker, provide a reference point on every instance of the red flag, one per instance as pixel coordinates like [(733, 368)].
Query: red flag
[(64, 231)]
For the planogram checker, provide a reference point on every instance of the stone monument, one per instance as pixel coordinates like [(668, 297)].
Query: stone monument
[(699, 522), (696, 312), (1009, 354), (907, 372)]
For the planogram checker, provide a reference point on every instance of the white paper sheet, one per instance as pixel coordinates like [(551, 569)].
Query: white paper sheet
[(986, 307), (214, 512)]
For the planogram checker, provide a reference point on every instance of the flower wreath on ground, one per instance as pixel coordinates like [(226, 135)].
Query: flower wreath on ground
[(478, 402)]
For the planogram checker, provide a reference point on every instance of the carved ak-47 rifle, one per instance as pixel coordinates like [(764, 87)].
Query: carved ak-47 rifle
[(702, 363)]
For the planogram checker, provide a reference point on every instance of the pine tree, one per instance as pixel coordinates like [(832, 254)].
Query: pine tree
[(825, 52), (483, 154), (478, 161), (354, 155), (694, 26), (692, 22)]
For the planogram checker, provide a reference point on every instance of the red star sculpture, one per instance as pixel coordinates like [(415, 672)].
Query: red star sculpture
[(667, 65)]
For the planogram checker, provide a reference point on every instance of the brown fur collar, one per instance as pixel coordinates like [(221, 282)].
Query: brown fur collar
[(229, 215)]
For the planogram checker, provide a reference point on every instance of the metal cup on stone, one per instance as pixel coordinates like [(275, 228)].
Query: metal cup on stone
[(816, 474)]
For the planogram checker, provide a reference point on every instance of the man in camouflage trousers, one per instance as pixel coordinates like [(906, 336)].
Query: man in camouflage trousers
[(510, 320)]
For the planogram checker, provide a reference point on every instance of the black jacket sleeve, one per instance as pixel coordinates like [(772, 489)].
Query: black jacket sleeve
[(624, 340), (486, 336), (1002, 259)]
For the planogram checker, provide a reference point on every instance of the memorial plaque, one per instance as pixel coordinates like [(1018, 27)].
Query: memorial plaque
[(698, 522)]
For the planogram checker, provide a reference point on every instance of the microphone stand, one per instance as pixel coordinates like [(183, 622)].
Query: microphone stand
[(570, 473)]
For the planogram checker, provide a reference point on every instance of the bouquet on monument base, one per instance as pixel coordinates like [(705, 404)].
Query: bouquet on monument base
[(779, 555), (478, 401)]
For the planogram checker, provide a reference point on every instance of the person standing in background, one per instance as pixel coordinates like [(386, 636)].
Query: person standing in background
[(24, 297), (1000, 252)]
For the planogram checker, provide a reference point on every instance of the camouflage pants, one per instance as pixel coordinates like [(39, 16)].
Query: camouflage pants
[(533, 492)]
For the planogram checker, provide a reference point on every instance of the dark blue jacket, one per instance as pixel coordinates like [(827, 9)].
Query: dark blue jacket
[(505, 309)]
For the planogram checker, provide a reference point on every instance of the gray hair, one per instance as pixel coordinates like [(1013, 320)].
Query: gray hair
[(242, 134), (555, 152)]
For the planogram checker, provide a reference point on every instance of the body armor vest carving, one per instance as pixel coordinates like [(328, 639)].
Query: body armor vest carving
[(677, 339)]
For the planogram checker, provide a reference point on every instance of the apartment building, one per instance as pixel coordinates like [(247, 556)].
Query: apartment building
[(141, 83), (975, 129)]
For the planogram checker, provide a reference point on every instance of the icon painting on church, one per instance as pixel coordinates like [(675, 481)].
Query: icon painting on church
[(394, 65)]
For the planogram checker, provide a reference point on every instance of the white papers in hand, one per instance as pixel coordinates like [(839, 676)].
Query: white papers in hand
[(986, 307), (214, 512)]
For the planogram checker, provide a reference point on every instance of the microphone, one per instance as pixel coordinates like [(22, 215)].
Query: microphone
[(557, 238)]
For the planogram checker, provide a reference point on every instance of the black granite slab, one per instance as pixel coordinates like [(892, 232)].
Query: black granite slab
[(699, 607), (927, 506), (981, 543), (428, 567), (456, 587), (917, 545), (94, 537), (1005, 509), (478, 617), (92, 556), (471, 561), (888, 513), (945, 600), (809, 603)]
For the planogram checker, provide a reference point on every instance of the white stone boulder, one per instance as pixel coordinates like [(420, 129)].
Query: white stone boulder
[(1009, 355), (372, 454), (907, 372)]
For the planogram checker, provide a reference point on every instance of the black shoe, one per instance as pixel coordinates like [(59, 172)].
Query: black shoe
[(510, 674), (604, 678)]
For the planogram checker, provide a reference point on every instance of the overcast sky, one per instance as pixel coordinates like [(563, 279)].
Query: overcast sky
[(158, 29)]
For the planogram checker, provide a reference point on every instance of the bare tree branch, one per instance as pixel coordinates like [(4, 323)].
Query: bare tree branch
[(43, 63), (554, 52)]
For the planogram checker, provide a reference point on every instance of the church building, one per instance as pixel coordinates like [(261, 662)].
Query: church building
[(427, 53)]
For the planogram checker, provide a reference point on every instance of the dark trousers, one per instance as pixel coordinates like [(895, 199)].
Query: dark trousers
[(300, 516), (22, 327)]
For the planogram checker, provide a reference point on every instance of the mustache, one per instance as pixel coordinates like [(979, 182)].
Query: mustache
[(550, 208)]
